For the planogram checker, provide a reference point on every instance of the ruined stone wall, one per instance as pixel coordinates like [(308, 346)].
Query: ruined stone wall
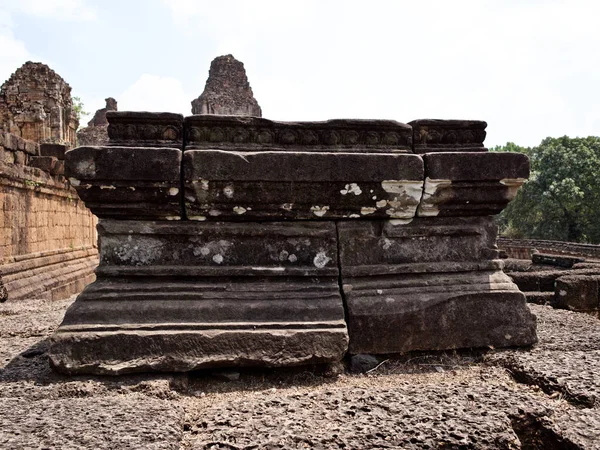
[(522, 248), (47, 235), (36, 104)]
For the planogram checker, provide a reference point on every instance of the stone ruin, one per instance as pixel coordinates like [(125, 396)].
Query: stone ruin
[(96, 132), (239, 241), (36, 105), (565, 276), (227, 91), (47, 236)]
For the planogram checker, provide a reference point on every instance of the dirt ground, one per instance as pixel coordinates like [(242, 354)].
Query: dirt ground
[(546, 397)]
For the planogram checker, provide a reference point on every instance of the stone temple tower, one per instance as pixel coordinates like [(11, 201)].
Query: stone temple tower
[(36, 104), (227, 91)]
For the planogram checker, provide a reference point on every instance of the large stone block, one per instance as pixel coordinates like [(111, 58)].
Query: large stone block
[(252, 133), (187, 295), (434, 135), (432, 284), (300, 185), (578, 293), (145, 129), (471, 184), (127, 182)]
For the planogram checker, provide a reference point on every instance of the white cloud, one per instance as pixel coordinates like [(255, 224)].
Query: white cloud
[(14, 51), (527, 67), (67, 10), (157, 94)]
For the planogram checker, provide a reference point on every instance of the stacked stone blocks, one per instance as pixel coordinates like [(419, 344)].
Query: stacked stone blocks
[(47, 235), (228, 241)]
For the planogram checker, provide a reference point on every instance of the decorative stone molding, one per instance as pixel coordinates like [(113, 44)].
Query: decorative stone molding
[(383, 136)]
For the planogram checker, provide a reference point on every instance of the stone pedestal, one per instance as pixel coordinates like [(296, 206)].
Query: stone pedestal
[(231, 241)]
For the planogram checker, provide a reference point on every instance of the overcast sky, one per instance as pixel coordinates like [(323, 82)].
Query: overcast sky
[(531, 69)]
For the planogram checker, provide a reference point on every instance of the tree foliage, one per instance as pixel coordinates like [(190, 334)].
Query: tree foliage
[(78, 108), (561, 200)]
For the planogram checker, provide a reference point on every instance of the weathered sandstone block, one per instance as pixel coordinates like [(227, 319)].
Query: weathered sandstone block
[(127, 182), (187, 295), (431, 135), (270, 185), (432, 284), (145, 129), (471, 184)]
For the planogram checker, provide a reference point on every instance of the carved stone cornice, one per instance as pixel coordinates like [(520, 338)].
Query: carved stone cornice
[(206, 131), (433, 135), (145, 129)]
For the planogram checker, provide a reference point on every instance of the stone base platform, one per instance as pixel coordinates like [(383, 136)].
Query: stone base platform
[(432, 284), (184, 296)]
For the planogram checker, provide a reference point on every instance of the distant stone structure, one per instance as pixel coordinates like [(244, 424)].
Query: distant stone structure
[(96, 133), (36, 104), (47, 236), (236, 241), (227, 91)]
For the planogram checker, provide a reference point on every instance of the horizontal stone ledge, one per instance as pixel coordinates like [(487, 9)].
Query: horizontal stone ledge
[(434, 135), (192, 326), (216, 271), (124, 164), (132, 128), (431, 267), (116, 353), (208, 131)]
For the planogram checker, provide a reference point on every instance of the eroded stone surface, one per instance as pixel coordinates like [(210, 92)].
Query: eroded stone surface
[(471, 184), (226, 185), (567, 358), (219, 294), (127, 182), (432, 135), (252, 133), (415, 286)]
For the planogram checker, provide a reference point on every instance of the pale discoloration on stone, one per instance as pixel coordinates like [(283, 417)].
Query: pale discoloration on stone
[(239, 210), (319, 211), (321, 260), (431, 188), (351, 188)]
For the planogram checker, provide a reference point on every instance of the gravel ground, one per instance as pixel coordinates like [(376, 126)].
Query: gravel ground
[(541, 398)]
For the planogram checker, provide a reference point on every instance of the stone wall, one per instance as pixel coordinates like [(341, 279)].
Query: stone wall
[(47, 236), (523, 248)]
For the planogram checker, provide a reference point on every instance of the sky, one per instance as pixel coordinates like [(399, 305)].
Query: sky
[(530, 68)]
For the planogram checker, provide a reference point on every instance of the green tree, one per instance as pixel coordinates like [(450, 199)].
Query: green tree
[(561, 200), (78, 108)]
